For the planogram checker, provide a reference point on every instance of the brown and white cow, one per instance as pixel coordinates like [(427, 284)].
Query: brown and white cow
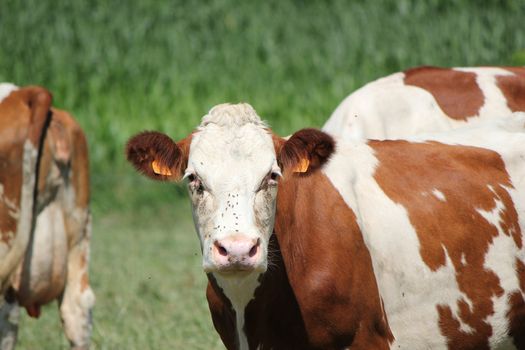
[(428, 99), (407, 244), (44, 247)]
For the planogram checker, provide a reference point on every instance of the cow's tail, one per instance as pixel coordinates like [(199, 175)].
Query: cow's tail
[(39, 102)]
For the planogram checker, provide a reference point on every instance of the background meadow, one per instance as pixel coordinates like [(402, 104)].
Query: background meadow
[(124, 66)]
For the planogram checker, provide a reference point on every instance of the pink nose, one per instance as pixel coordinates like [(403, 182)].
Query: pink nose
[(236, 253)]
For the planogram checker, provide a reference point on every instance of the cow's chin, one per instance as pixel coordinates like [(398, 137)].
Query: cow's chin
[(235, 270)]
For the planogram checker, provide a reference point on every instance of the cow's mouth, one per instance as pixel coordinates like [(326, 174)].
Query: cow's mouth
[(237, 269)]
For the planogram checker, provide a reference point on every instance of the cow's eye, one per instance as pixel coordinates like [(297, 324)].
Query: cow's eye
[(195, 184), (271, 178)]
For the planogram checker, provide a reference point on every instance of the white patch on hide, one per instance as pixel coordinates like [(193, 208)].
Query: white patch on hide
[(6, 89), (239, 291), (439, 195), (19, 245), (495, 103)]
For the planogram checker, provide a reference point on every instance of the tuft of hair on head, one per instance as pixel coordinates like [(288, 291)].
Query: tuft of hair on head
[(157, 156), (305, 151), (232, 115)]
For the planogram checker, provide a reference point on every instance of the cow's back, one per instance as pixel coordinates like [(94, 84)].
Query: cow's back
[(428, 99)]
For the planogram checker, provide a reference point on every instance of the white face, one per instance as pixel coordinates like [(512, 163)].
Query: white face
[(232, 179)]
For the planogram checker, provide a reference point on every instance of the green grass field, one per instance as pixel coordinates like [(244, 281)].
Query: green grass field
[(121, 67), (150, 288)]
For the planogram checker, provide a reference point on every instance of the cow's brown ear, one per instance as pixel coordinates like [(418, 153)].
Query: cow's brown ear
[(305, 151), (157, 156)]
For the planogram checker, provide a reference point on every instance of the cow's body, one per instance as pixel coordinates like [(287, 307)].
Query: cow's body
[(428, 234), (407, 244), (44, 251), (428, 99)]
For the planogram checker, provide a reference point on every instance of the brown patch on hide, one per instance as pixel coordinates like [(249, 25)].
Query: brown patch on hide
[(23, 116), (516, 313), (222, 313), (513, 88), (457, 93), (70, 149), (329, 266)]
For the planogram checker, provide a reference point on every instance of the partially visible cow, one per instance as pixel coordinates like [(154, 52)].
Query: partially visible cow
[(407, 244), (44, 214), (428, 99)]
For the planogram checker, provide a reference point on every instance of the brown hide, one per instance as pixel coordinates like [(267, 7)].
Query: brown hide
[(329, 266), (513, 88), (303, 301), (23, 115), (456, 92)]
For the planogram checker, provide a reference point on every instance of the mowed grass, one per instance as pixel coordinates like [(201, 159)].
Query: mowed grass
[(150, 287)]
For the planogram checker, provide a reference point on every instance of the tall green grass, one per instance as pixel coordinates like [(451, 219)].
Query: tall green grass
[(124, 66)]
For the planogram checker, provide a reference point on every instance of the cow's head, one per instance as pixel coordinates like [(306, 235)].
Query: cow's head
[(232, 163)]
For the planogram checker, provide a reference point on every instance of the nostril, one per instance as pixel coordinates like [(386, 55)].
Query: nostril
[(222, 251), (253, 250)]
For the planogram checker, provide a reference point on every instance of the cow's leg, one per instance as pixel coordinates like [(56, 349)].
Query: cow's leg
[(78, 298), (9, 315)]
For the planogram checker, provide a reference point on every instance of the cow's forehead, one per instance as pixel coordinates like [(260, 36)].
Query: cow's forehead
[(232, 143)]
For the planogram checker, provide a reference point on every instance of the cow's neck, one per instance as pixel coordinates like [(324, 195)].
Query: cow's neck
[(328, 264), (239, 292), (272, 319)]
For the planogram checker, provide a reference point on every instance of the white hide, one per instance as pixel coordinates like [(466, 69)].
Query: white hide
[(388, 109), (232, 154), (25, 221), (6, 89), (239, 291), (48, 252), (394, 246), (78, 299)]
